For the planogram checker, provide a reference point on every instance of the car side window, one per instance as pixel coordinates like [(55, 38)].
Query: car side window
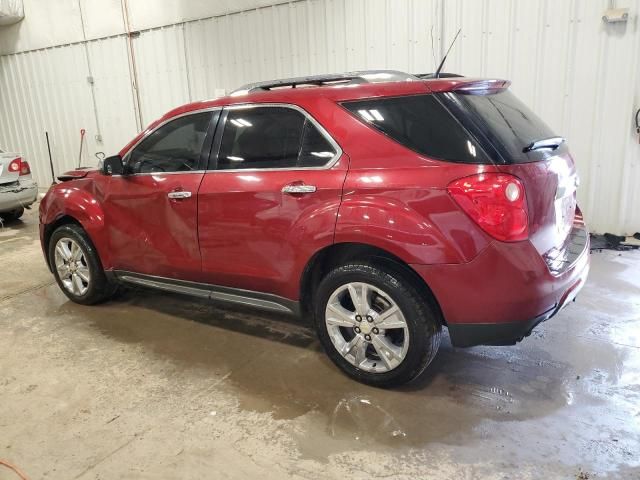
[(316, 149), (271, 137), (174, 147)]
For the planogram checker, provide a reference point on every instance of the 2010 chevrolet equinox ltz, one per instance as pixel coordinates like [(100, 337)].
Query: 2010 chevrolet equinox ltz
[(385, 205)]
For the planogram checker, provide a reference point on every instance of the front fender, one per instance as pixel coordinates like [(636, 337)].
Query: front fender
[(75, 200)]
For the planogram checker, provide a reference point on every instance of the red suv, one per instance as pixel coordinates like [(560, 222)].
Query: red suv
[(384, 205)]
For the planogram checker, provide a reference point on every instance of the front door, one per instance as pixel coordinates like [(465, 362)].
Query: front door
[(270, 200), (151, 210)]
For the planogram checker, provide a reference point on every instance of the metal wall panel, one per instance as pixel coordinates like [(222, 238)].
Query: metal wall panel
[(41, 91), (577, 73), (581, 76), (114, 96), (162, 71)]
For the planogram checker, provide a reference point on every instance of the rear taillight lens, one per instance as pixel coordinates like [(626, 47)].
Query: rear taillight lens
[(15, 165), (20, 166), (25, 169), (496, 202)]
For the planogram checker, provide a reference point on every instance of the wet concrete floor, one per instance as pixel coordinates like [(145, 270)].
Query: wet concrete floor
[(153, 385)]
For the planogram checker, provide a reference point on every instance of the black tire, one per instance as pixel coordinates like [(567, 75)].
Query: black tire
[(423, 321), (99, 288), (12, 215)]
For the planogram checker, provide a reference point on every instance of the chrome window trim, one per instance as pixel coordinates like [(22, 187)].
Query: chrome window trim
[(323, 131), (190, 172), (125, 157)]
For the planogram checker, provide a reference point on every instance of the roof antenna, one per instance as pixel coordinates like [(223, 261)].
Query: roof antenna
[(444, 59)]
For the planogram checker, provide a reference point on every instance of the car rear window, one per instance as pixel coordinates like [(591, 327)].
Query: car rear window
[(421, 123), (507, 121)]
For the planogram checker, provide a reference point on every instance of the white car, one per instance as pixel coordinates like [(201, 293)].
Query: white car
[(18, 190)]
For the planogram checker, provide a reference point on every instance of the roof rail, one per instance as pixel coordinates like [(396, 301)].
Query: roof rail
[(364, 76)]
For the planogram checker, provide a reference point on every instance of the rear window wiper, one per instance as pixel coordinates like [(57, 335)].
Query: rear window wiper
[(551, 143)]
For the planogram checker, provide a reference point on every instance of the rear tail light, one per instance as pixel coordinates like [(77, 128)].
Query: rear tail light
[(25, 169), (21, 166), (496, 202), (15, 165)]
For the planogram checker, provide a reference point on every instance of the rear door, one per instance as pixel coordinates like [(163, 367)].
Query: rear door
[(152, 209), (270, 199)]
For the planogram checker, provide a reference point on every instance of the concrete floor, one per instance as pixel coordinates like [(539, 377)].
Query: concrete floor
[(158, 386)]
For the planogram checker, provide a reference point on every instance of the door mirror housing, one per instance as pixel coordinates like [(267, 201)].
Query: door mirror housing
[(113, 165)]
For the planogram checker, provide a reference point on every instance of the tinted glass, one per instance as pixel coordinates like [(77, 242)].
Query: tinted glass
[(316, 149), (421, 123), (506, 121), (261, 137), (174, 147)]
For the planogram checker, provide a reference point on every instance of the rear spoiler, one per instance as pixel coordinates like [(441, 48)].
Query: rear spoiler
[(480, 87), (471, 86)]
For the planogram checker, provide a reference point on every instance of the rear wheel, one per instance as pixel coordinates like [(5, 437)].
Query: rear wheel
[(375, 325), (12, 215), (76, 266)]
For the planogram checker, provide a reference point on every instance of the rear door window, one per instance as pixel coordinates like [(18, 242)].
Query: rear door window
[(316, 149), (272, 137), (421, 123)]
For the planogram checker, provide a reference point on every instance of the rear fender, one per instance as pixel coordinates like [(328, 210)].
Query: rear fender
[(418, 226)]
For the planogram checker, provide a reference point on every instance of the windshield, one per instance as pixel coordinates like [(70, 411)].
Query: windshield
[(507, 122)]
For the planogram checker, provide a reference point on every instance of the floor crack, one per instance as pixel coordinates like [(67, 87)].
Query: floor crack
[(26, 290), (112, 453)]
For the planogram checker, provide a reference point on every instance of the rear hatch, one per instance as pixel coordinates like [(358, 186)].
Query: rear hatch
[(521, 144), (7, 173)]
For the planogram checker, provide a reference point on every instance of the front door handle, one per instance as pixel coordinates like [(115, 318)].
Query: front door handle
[(298, 188), (178, 195)]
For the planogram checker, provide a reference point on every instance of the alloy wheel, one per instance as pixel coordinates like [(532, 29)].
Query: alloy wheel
[(367, 327), (72, 266)]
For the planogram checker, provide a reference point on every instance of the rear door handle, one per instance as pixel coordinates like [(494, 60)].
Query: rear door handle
[(298, 188), (178, 195)]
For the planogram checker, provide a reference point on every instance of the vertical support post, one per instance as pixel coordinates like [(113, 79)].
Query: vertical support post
[(53, 175), (132, 65)]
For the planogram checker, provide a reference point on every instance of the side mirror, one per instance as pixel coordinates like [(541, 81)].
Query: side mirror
[(113, 165)]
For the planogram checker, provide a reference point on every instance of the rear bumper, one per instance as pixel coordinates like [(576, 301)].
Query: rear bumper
[(500, 296), (19, 194)]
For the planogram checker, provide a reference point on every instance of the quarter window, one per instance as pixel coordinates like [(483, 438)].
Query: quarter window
[(174, 147), (272, 137), (421, 123)]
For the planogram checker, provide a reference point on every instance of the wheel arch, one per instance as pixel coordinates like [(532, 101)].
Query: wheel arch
[(337, 254), (59, 222), (52, 227)]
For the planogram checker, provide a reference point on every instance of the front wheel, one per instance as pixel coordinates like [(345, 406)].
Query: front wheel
[(375, 325), (76, 266)]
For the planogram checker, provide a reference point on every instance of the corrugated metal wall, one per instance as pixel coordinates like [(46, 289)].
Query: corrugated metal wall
[(579, 74)]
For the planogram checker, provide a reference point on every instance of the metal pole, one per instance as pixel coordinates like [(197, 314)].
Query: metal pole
[(53, 175), (82, 132)]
